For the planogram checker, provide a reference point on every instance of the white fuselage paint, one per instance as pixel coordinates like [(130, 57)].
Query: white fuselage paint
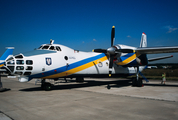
[(50, 63)]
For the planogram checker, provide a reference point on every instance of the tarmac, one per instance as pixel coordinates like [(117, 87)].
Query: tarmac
[(89, 100)]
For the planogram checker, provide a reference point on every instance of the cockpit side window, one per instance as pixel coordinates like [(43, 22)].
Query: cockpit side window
[(40, 47), (45, 47), (58, 48), (52, 48)]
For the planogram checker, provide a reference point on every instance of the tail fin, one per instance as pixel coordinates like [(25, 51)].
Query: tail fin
[(143, 42), (6, 55)]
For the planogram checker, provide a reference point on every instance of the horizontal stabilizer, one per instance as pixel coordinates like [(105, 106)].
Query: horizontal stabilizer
[(159, 58)]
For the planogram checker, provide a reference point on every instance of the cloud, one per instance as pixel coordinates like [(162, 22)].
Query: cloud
[(129, 36), (170, 28), (94, 39)]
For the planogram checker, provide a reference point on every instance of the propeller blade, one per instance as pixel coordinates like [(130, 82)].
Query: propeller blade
[(112, 35), (111, 64), (100, 50), (125, 50)]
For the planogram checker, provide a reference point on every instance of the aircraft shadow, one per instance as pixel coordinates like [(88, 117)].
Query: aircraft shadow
[(87, 83)]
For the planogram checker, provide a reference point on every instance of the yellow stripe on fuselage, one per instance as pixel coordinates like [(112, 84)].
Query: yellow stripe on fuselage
[(77, 69), (129, 59), (1, 65)]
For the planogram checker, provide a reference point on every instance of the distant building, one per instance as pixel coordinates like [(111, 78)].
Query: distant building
[(166, 67)]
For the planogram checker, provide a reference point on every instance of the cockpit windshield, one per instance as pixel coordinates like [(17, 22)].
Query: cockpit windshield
[(49, 47), (45, 47)]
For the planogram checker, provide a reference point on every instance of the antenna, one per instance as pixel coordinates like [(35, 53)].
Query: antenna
[(51, 41)]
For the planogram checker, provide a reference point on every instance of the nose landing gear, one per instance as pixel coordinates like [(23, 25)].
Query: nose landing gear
[(46, 85)]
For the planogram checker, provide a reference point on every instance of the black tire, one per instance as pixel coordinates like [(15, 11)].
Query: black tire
[(80, 79), (108, 87), (48, 86), (139, 83), (42, 86), (134, 82)]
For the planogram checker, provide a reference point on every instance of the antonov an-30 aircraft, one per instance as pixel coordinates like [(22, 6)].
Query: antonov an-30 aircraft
[(53, 61)]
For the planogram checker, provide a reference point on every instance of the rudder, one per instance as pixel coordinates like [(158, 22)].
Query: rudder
[(143, 42)]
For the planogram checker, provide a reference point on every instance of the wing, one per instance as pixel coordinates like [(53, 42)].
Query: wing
[(155, 50), (159, 58)]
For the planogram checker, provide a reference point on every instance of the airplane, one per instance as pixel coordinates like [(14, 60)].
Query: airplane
[(6, 55), (53, 61)]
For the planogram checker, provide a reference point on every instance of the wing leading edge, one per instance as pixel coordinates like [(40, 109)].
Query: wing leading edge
[(156, 50)]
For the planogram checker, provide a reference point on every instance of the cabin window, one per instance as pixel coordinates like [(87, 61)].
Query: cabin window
[(19, 73), (20, 62), (27, 73), (29, 68), (58, 48), (19, 68), (11, 68), (29, 62), (11, 58), (11, 62)]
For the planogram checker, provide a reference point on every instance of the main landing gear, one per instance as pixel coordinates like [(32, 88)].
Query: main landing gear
[(80, 79), (46, 85), (137, 81)]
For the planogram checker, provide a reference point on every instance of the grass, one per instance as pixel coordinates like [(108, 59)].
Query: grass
[(156, 74)]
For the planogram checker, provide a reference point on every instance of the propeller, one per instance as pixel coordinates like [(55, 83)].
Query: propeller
[(112, 51)]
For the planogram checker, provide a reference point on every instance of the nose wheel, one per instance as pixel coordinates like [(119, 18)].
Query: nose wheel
[(46, 85)]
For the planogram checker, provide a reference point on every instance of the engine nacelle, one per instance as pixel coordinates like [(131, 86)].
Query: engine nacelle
[(130, 59)]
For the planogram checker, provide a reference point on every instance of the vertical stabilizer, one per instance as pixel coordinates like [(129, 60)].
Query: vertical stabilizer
[(143, 42), (7, 53)]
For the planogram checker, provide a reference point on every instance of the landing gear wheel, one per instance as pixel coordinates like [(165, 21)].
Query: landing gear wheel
[(137, 83), (134, 82), (46, 86), (80, 79), (108, 87)]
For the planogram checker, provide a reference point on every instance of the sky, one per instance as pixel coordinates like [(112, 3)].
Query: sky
[(86, 24)]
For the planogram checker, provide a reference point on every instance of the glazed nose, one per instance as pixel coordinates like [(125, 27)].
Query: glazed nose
[(10, 64)]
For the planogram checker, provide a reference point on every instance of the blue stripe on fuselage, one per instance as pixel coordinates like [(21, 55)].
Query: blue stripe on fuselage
[(65, 68)]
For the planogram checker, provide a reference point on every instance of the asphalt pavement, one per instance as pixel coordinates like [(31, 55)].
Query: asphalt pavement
[(89, 100)]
